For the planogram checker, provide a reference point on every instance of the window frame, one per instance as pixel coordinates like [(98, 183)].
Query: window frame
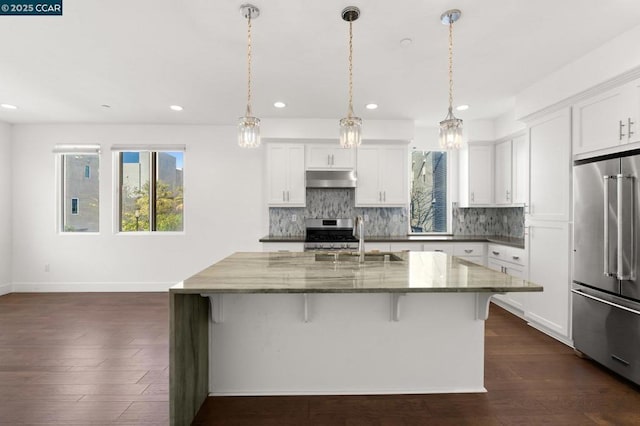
[(117, 151), (450, 181), (60, 151)]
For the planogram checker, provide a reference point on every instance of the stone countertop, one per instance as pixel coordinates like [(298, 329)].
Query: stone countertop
[(507, 241), (300, 272)]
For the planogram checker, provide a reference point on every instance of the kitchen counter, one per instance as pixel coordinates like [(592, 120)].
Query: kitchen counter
[(300, 272), (292, 323), (507, 241)]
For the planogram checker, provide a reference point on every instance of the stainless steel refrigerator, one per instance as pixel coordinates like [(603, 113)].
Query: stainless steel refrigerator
[(605, 290)]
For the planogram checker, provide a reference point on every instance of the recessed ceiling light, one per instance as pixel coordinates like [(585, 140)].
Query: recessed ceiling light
[(371, 106), (462, 107), (176, 107), (279, 104), (8, 106), (405, 42)]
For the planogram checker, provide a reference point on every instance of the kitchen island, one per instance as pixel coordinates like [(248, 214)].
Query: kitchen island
[(325, 323)]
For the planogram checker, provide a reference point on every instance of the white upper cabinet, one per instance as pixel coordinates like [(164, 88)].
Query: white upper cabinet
[(476, 175), (382, 175), (608, 119), (520, 170), (324, 156), (503, 171), (285, 171), (550, 174)]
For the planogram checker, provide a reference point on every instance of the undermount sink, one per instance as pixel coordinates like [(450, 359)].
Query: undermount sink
[(355, 257)]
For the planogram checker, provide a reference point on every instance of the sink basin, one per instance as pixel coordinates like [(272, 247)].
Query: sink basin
[(354, 257)]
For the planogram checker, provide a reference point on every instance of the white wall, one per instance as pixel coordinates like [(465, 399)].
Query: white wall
[(5, 210), (223, 210), (610, 60)]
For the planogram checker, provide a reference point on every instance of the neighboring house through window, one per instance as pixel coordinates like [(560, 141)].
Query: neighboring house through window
[(429, 207), (78, 183)]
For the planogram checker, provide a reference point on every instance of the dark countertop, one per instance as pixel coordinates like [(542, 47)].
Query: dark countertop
[(507, 241)]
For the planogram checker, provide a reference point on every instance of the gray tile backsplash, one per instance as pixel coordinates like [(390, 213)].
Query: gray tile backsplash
[(390, 221), (337, 203), (502, 221)]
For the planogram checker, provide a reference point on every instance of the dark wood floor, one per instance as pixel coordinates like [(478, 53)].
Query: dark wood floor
[(102, 359)]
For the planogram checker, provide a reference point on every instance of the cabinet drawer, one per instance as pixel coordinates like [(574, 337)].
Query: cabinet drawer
[(507, 254), (468, 249), (439, 247)]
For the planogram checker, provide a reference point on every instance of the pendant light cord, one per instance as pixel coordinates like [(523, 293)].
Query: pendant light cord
[(450, 65), (249, 64), (350, 113)]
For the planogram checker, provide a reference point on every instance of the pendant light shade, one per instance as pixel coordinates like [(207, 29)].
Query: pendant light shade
[(350, 126), (450, 127), (249, 126)]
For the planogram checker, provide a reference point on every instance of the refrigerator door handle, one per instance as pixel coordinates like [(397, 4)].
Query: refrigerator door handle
[(607, 271), (622, 274), (606, 302)]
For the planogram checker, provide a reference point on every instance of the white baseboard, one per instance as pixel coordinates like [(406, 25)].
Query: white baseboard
[(84, 287), (507, 307), (541, 328), (5, 289)]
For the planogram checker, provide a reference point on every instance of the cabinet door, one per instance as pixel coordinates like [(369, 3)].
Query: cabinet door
[(318, 157), (480, 174), (342, 158), (597, 121), (520, 172), (393, 175), (633, 89), (277, 169), (368, 186), (550, 148), (439, 247), (549, 267), (296, 195), (503, 173)]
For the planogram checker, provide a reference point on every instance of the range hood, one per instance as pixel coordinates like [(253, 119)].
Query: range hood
[(331, 179)]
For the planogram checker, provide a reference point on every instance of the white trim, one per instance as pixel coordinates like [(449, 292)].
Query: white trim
[(619, 80), (5, 289), (149, 147), (84, 287), (354, 392), (551, 333)]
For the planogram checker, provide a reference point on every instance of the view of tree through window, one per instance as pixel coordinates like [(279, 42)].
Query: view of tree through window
[(428, 208), (80, 193), (151, 191)]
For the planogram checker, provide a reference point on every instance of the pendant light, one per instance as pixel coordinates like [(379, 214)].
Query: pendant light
[(249, 126), (450, 127), (350, 126)]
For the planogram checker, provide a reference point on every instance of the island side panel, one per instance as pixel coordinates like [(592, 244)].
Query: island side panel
[(351, 345), (189, 356)]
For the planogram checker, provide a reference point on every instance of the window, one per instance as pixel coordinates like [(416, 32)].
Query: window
[(75, 185), (151, 191), (429, 205), (74, 206)]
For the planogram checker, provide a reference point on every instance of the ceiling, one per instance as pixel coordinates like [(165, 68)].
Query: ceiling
[(141, 56)]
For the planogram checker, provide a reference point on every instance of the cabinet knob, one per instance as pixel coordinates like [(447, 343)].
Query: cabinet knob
[(620, 130), (515, 257), (495, 253), (468, 251)]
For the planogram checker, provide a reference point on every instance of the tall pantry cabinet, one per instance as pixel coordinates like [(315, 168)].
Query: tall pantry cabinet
[(547, 224)]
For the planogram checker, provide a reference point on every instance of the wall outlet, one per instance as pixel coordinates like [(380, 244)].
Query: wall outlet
[(482, 218), (294, 218), (504, 219), (395, 218), (366, 218), (47, 267), (461, 218)]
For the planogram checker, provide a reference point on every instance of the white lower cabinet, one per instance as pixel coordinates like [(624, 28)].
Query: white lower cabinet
[(549, 266), (376, 246), (439, 247), (408, 246), (511, 261), (472, 252)]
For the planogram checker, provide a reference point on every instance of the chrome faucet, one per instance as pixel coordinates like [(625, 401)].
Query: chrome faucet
[(359, 232)]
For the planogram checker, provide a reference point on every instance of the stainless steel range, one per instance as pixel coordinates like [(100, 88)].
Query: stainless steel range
[(329, 234)]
